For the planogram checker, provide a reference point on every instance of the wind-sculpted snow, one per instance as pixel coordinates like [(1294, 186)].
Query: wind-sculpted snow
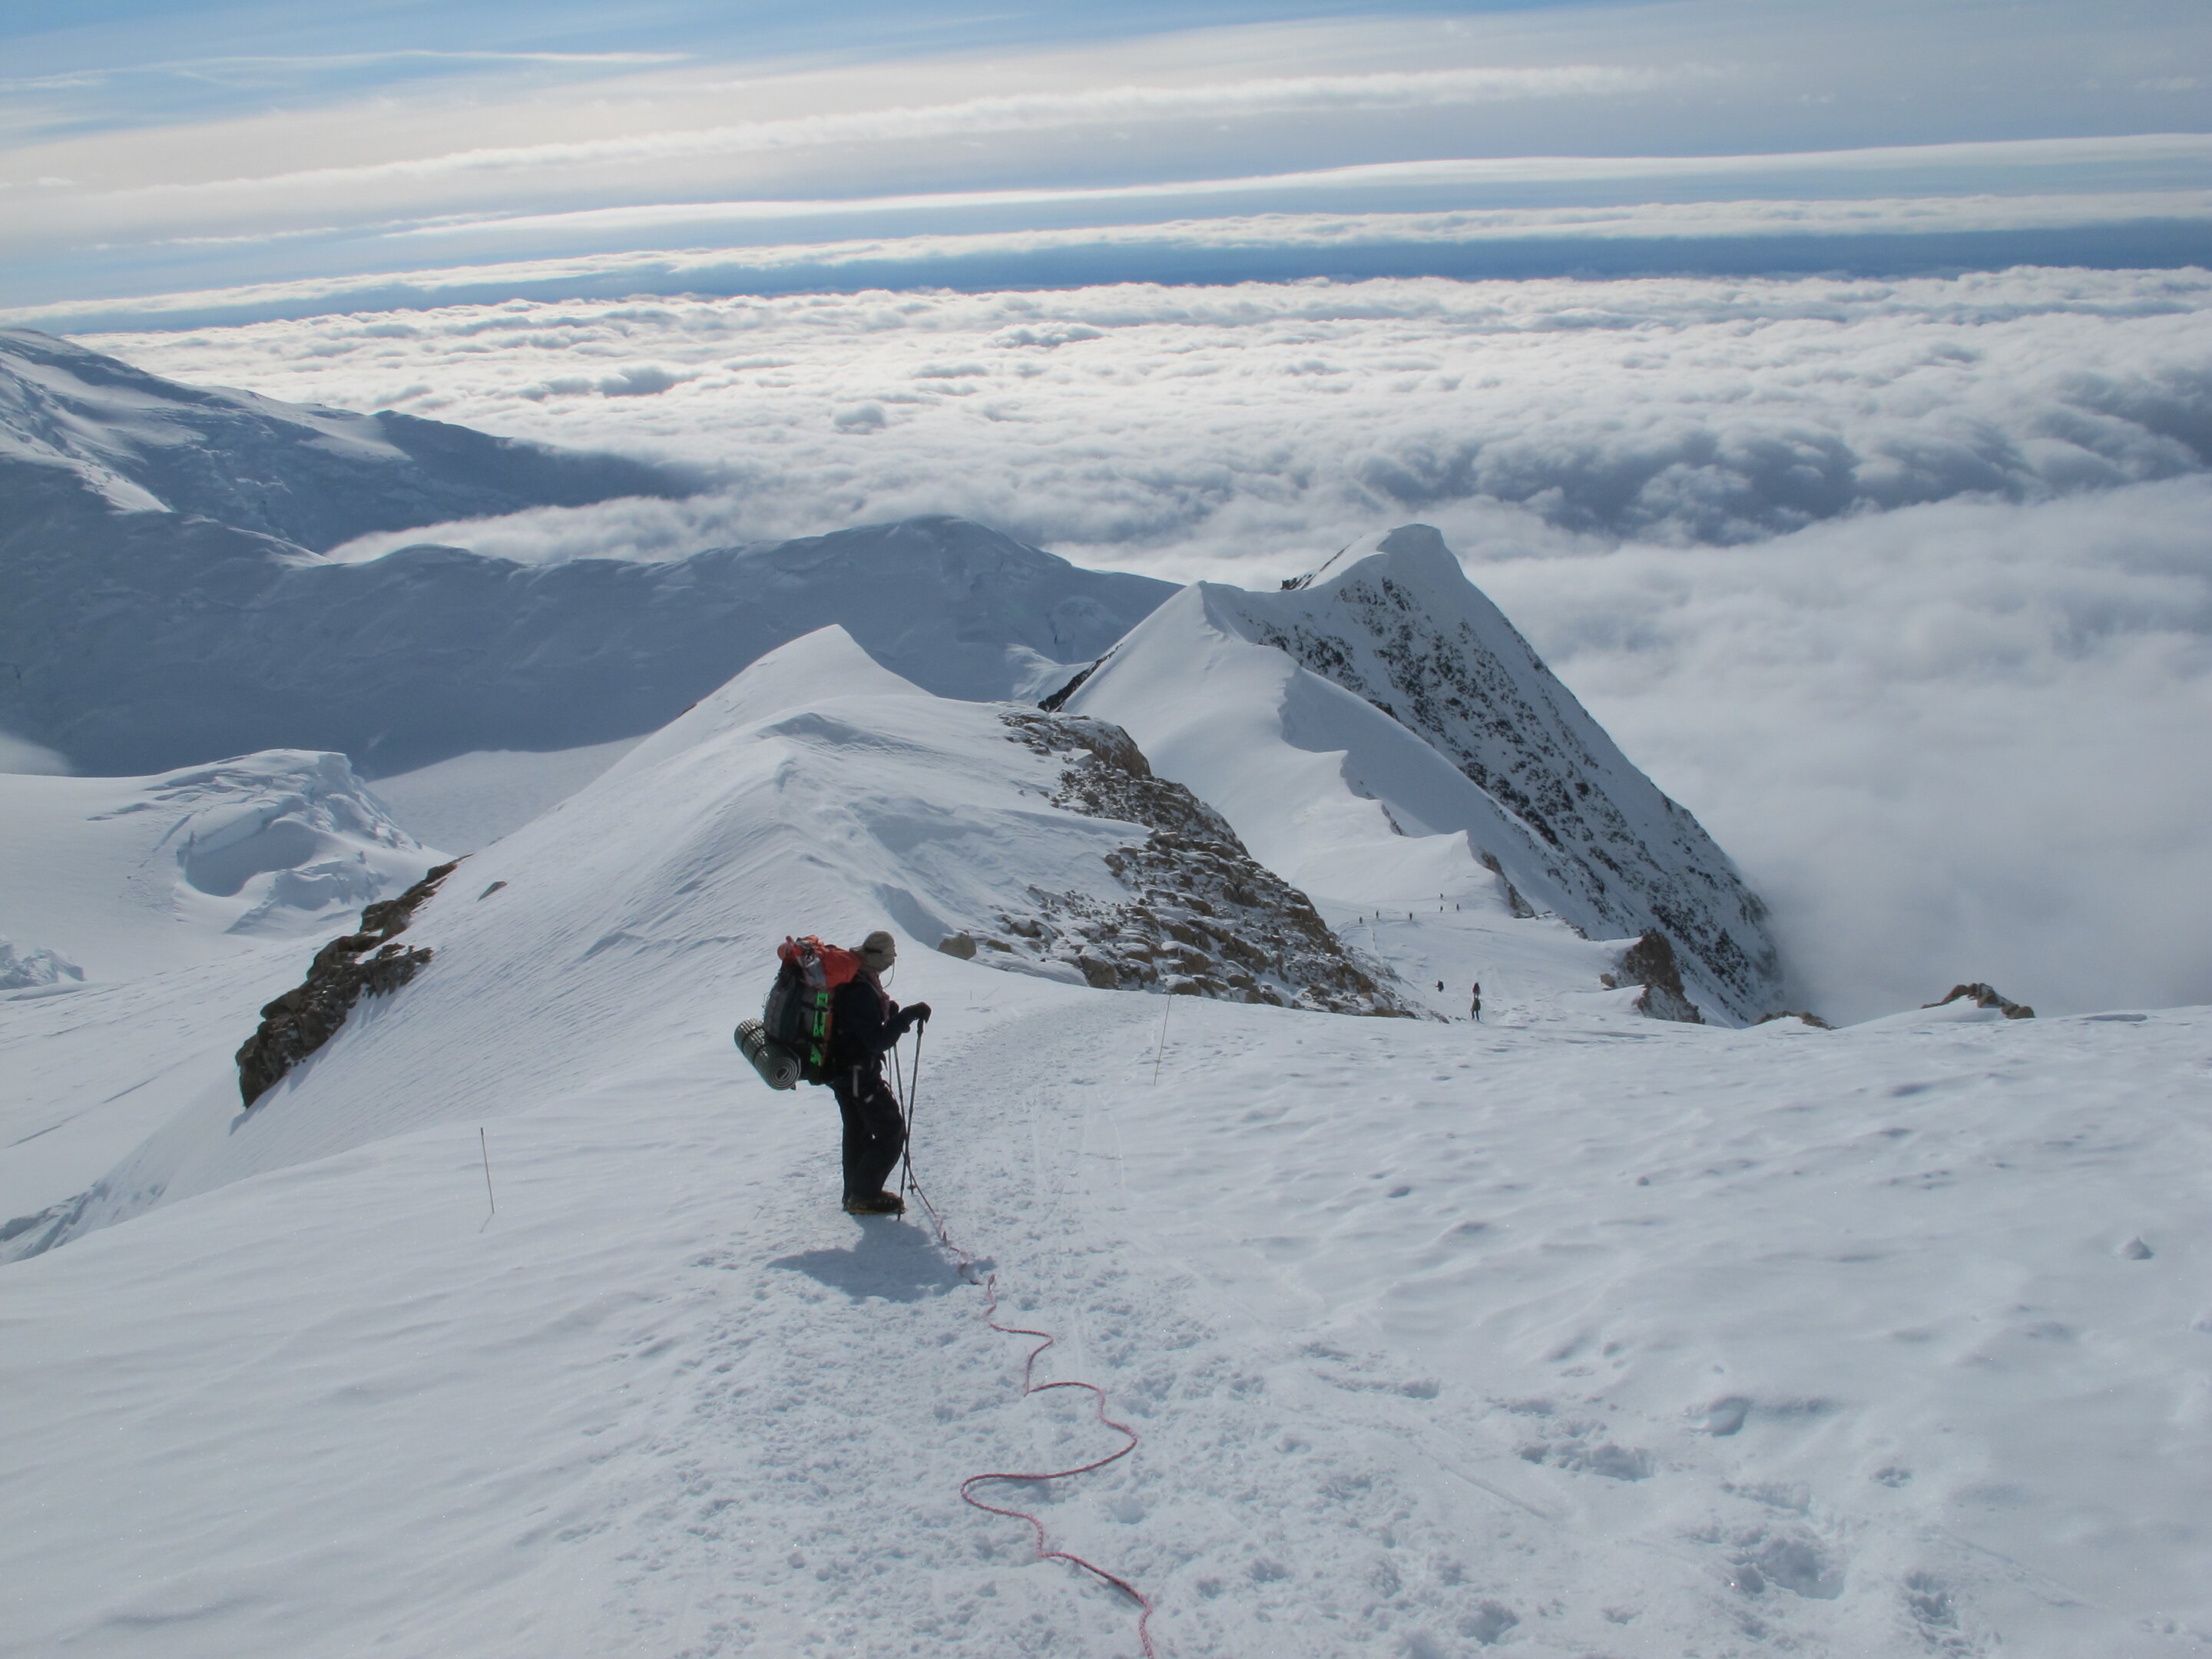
[(1556, 812), (136, 875)]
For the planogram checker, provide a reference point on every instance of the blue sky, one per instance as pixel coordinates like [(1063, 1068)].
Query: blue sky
[(167, 162)]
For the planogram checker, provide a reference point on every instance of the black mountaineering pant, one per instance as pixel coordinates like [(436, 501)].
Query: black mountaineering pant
[(874, 1131)]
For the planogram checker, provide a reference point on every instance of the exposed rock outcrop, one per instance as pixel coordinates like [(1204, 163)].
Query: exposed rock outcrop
[(1517, 907), (25, 967), (1983, 996), (1058, 700), (1204, 918), (370, 962), (1649, 962)]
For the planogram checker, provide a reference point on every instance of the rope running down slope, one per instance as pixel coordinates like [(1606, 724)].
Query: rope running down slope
[(906, 1088)]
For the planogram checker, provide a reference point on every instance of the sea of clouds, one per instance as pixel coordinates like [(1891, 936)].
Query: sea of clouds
[(1905, 588)]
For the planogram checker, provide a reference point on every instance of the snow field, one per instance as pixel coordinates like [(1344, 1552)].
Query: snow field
[(1867, 1358), (95, 1070), (1431, 1375), (472, 799)]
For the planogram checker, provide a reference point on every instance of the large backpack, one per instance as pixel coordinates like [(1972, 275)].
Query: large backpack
[(796, 1017)]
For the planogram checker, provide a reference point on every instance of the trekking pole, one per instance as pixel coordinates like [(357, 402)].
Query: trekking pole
[(913, 1092), (898, 1095)]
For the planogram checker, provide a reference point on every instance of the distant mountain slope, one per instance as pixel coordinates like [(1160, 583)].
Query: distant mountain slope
[(312, 477), (161, 604), (163, 644), (1385, 734)]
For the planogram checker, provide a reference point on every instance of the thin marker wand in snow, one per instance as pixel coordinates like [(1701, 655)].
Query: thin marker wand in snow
[(485, 1146), (1160, 1053)]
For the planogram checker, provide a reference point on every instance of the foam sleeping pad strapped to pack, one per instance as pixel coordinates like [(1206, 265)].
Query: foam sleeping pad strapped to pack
[(778, 1067)]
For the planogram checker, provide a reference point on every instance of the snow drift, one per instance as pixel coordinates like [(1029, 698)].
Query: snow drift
[(1384, 734)]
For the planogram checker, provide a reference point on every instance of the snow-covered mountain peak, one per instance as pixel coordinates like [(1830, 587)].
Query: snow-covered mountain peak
[(1413, 554), (1389, 700), (823, 667), (158, 574)]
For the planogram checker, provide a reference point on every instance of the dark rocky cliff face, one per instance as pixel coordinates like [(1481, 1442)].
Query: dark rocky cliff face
[(1203, 918), (1983, 996)]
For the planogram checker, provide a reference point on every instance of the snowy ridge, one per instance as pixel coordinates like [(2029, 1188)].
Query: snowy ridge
[(429, 652), (816, 792), (1385, 734)]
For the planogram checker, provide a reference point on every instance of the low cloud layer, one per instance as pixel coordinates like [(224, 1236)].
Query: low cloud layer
[(1278, 422), (1902, 587)]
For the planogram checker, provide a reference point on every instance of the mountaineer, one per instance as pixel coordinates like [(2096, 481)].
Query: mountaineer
[(864, 1025)]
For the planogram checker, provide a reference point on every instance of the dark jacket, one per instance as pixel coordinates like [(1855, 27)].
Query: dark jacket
[(864, 1023)]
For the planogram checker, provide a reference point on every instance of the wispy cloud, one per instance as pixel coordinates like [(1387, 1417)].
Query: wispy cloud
[(1010, 113), (321, 63), (927, 258), (1664, 218), (324, 154)]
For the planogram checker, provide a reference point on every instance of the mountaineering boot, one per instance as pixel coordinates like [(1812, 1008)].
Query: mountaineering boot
[(875, 1203)]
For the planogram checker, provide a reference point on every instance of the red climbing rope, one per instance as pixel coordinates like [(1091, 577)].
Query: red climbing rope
[(1029, 1386), (1098, 1404)]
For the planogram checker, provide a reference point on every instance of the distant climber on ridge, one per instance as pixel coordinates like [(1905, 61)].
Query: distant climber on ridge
[(864, 1025)]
